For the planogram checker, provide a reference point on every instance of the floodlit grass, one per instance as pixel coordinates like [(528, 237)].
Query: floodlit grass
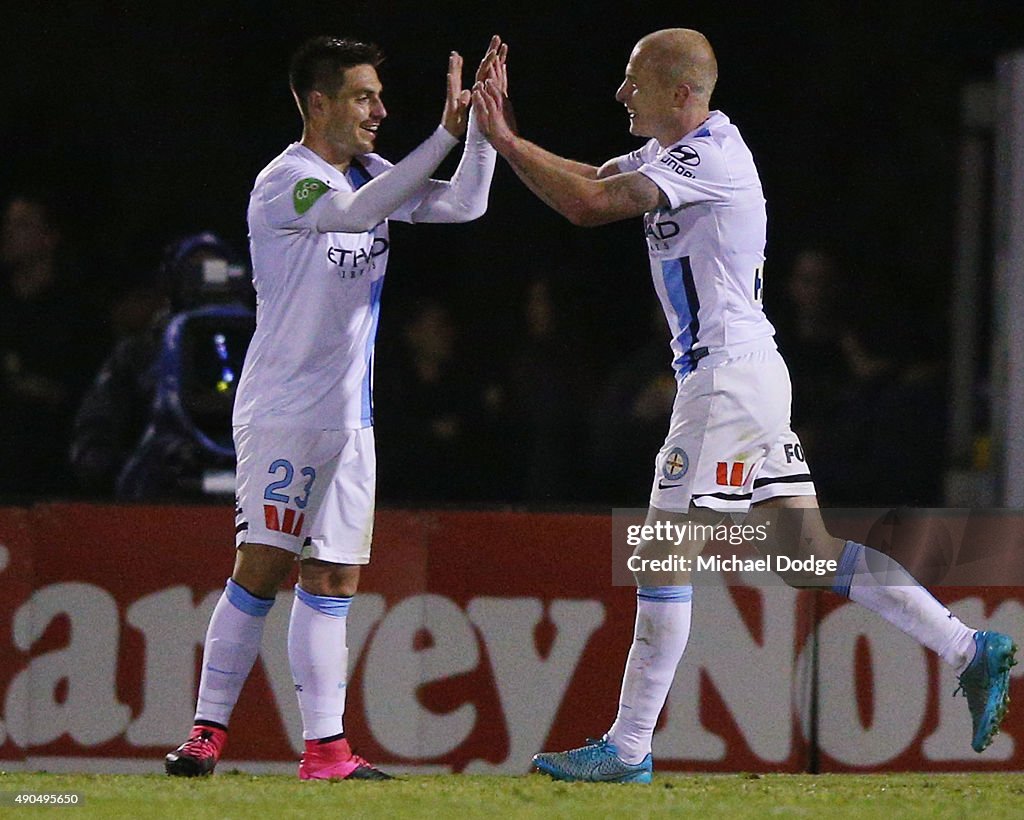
[(233, 795)]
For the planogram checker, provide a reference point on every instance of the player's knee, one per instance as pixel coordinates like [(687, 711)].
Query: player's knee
[(262, 586), (323, 578), (262, 569), (658, 564)]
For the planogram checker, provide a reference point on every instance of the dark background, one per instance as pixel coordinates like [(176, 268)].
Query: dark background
[(152, 119)]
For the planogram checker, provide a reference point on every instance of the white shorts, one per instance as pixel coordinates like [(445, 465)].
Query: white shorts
[(729, 442), (307, 491)]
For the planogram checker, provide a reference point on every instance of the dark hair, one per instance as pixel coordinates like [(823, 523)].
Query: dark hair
[(319, 64)]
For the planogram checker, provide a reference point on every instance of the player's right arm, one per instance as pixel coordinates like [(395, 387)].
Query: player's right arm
[(499, 75), (359, 211), (613, 192), (571, 166), (290, 193)]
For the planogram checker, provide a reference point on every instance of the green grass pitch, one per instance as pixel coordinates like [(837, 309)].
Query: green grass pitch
[(231, 795)]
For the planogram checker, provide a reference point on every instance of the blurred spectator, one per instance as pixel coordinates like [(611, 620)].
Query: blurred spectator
[(630, 419), (136, 306), (424, 393), (810, 335), (157, 418), (542, 395), (49, 334), (886, 442)]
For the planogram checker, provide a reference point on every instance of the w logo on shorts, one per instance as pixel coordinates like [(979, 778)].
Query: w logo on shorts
[(289, 525), (730, 475)]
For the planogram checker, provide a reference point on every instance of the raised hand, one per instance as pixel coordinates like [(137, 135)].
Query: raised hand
[(456, 104), (491, 112), (493, 64)]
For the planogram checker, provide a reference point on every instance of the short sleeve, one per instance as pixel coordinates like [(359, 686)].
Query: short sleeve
[(690, 173)]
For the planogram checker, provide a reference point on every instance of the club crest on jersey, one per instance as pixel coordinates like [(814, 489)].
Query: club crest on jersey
[(680, 159), (676, 464)]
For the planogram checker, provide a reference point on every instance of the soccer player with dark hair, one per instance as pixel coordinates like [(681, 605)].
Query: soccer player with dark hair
[(303, 418), (729, 447)]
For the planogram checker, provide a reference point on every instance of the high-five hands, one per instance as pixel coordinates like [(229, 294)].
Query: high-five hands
[(493, 65), (494, 113), (490, 97), (457, 101)]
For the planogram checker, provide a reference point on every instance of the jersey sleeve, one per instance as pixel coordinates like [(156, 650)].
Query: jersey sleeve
[(635, 159), (405, 211), (289, 195), (690, 173), (295, 200), (377, 165), (463, 197)]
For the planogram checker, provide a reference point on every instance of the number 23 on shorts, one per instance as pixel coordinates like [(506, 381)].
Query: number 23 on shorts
[(287, 522)]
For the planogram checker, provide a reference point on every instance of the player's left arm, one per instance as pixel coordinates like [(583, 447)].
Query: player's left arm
[(464, 197), (585, 201)]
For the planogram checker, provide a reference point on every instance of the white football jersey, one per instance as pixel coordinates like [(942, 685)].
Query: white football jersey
[(310, 363), (707, 247)]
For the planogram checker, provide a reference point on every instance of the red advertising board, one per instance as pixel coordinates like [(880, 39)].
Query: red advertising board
[(477, 639)]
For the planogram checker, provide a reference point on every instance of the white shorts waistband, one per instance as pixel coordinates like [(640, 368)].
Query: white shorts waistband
[(716, 356)]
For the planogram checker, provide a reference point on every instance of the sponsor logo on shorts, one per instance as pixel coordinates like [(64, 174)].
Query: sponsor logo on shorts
[(675, 465), (730, 474), (288, 524), (793, 451)]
